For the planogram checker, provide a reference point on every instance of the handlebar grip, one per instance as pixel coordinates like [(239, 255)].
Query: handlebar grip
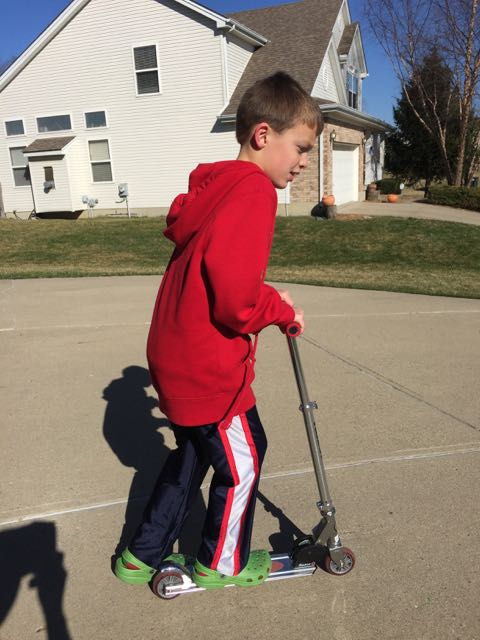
[(293, 330)]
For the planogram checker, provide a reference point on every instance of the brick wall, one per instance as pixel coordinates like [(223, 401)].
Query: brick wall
[(305, 190)]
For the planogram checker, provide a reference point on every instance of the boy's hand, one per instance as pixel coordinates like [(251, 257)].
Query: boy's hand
[(285, 296), (299, 318)]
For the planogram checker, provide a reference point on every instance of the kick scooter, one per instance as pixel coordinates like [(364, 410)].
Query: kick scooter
[(323, 548)]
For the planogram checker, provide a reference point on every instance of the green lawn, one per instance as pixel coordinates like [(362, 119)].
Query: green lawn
[(393, 254)]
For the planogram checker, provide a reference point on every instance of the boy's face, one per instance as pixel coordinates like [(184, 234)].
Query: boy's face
[(284, 155)]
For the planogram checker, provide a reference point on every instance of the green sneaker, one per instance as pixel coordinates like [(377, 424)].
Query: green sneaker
[(132, 570), (257, 571), (180, 558)]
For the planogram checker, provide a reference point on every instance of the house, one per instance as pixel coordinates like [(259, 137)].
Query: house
[(112, 106)]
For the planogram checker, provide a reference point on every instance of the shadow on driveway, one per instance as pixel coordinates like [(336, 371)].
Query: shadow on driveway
[(133, 433), (31, 550)]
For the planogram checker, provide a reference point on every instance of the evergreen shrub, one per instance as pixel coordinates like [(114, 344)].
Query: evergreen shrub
[(461, 197), (389, 185)]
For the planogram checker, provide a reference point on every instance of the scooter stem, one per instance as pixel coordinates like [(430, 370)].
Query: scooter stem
[(306, 407)]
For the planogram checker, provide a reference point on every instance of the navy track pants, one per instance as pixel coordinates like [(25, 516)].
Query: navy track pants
[(236, 455)]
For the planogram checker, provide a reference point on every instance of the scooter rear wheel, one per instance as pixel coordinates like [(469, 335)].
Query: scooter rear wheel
[(348, 563)]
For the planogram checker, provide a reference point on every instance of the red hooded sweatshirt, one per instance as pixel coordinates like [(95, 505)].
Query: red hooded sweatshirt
[(213, 294)]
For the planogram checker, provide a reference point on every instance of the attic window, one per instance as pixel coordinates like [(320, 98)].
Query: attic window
[(146, 69), (352, 90)]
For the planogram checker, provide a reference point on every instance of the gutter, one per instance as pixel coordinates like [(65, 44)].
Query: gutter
[(343, 114), (354, 117), (243, 32)]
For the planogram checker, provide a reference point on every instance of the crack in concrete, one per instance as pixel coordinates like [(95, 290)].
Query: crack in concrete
[(388, 382)]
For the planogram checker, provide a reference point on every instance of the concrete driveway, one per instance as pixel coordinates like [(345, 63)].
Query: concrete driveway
[(406, 207), (396, 379)]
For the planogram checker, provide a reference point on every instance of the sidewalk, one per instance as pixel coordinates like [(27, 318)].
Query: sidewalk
[(396, 380), (407, 208)]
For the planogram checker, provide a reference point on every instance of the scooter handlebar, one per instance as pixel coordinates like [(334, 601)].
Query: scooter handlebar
[(293, 330)]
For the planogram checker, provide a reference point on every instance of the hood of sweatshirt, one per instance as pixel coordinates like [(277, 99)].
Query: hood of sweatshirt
[(207, 185)]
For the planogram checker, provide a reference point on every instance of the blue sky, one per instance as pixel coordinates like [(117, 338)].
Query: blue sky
[(23, 20)]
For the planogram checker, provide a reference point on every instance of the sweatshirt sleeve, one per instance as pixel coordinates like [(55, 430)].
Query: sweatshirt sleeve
[(236, 257)]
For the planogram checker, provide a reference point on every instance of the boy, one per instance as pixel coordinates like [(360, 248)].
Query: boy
[(199, 350)]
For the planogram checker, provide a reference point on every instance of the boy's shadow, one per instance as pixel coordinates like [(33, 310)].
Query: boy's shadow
[(132, 432), (284, 540), (31, 549)]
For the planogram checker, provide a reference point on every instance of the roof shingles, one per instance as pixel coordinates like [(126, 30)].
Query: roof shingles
[(48, 144), (298, 35)]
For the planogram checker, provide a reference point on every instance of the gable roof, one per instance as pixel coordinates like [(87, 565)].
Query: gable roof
[(75, 6), (48, 144), (293, 30), (346, 41)]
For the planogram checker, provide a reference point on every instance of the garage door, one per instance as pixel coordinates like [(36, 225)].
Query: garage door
[(345, 173)]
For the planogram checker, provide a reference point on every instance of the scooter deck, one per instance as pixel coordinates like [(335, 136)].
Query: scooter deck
[(282, 568)]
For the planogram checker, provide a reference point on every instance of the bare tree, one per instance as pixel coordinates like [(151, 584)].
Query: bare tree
[(408, 30)]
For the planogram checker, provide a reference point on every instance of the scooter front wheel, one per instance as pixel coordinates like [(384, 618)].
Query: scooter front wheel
[(348, 562)]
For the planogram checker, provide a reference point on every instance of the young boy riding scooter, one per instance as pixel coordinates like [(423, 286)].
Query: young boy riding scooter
[(200, 353)]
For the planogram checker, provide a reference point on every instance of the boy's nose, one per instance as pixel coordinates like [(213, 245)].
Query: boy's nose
[(303, 161)]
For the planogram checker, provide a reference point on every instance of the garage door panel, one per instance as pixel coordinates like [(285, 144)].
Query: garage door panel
[(345, 173)]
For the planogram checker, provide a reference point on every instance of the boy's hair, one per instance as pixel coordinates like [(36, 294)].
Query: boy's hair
[(280, 101)]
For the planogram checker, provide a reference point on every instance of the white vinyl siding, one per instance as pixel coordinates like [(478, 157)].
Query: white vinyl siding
[(51, 200), (47, 124), (238, 56), (154, 144), (100, 160), (14, 128), (146, 69), (21, 174), (325, 86)]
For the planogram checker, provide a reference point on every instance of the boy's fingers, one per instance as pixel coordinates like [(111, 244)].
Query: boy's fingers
[(285, 296)]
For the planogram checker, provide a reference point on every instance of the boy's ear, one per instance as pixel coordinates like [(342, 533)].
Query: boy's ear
[(260, 134)]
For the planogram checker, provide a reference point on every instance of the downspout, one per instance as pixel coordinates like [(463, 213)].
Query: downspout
[(320, 167), (33, 195)]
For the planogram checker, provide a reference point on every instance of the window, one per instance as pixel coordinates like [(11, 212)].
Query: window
[(21, 173), (95, 119), (48, 172), (100, 160), (54, 123), (14, 128), (146, 69), (352, 90)]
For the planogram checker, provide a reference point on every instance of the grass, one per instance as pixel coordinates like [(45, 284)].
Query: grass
[(392, 254)]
